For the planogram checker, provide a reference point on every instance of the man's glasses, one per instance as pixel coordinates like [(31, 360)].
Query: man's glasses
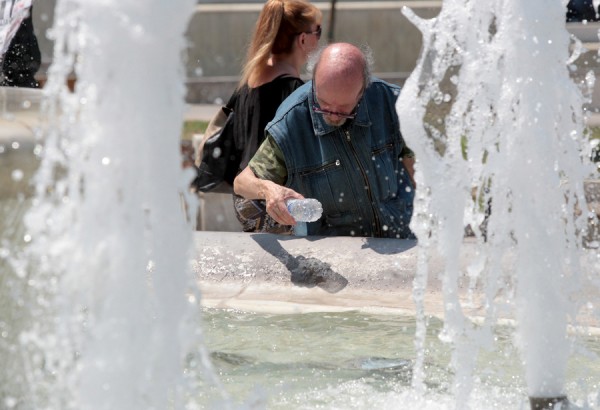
[(317, 109), (317, 32)]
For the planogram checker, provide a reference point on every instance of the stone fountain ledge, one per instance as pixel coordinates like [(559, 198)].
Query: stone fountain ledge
[(282, 274)]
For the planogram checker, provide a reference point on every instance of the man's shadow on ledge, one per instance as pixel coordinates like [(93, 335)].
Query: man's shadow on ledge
[(388, 246), (306, 272), (310, 272)]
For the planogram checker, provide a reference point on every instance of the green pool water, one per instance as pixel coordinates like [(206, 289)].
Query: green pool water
[(356, 360)]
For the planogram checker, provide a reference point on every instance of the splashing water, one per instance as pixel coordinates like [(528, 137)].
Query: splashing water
[(497, 127), (108, 250)]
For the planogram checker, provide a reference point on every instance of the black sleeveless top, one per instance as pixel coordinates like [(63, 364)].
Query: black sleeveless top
[(254, 108)]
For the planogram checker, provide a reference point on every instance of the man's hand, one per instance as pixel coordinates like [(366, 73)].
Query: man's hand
[(275, 196), (249, 186)]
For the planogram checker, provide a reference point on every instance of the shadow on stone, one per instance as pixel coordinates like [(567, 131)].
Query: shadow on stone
[(306, 272), (312, 272), (384, 246)]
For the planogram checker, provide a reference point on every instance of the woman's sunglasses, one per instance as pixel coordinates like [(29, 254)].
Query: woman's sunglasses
[(317, 32)]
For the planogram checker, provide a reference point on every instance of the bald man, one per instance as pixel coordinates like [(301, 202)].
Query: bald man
[(337, 139)]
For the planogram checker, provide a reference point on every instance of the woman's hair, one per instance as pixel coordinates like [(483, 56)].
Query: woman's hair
[(279, 23)]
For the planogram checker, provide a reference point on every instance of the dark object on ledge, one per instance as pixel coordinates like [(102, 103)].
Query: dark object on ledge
[(23, 58), (580, 10), (548, 403)]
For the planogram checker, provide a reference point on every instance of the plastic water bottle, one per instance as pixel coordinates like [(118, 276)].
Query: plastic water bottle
[(304, 210)]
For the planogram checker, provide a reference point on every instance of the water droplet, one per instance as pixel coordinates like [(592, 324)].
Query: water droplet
[(10, 402), (17, 175), (138, 30)]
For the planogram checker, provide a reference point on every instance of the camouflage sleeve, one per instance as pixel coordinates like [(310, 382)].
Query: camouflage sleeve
[(268, 162)]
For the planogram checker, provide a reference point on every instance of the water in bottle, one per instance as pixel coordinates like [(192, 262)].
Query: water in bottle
[(300, 229), (304, 210)]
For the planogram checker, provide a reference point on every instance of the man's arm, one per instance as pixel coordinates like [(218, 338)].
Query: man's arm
[(408, 160), (263, 178), (409, 164)]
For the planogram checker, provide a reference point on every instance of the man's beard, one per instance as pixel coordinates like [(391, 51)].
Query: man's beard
[(337, 123)]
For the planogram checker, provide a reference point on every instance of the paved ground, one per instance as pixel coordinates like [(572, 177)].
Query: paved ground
[(202, 112), (19, 126)]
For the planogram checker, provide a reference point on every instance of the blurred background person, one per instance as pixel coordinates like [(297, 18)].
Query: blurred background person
[(21, 57), (581, 10)]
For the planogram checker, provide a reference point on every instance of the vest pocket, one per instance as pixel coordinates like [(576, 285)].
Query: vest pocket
[(386, 168), (397, 215), (329, 183)]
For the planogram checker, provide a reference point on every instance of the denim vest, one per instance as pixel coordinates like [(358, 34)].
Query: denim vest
[(355, 170)]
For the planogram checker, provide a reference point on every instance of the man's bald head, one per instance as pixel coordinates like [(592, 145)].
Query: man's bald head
[(340, 76), (341, 65)]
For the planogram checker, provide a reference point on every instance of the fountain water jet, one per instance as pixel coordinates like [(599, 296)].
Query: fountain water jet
[(106, 266), (497, 127)]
